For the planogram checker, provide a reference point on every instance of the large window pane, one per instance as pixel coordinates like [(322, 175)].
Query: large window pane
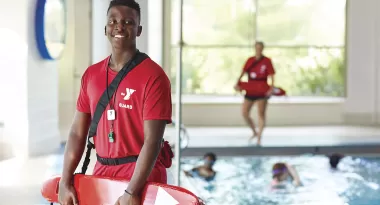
[(291, 29), (300, 71), (301, 22), (309, 71), (215, 22), (210, 70)]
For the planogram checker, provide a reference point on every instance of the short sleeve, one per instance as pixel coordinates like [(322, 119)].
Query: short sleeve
[(158, 100), (247, 64), (270, 67), (83, 102)]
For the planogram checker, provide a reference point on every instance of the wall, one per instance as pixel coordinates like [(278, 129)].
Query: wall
[(150, 40), (363, 51), (226, 111), (156, 31), (76, 58), (30, 85), (98, 20), (66, 67)]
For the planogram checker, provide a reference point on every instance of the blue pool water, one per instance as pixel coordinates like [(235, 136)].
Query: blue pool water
[(245, 181)]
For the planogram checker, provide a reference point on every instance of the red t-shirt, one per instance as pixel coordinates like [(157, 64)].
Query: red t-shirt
[(261, 70), (257, 75), (144, 94)]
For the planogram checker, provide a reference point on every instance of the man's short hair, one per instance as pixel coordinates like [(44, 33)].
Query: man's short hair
[(129, 3)]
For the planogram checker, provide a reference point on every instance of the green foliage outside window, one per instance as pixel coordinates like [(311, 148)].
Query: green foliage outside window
[(304, 39)]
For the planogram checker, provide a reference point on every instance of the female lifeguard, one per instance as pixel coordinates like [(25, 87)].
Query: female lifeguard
[(259, 69)]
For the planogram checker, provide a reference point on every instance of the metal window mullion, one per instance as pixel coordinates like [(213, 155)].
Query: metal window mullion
[(256, 16), (178, 107)]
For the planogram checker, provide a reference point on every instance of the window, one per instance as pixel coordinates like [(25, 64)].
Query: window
[(301, 22), (309, 71), (304, 38), (215, 22), (209, 70)]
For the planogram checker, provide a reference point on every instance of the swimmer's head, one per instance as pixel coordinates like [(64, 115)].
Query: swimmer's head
[(280, 172), (210, 159), (334, 160), (259, 47)]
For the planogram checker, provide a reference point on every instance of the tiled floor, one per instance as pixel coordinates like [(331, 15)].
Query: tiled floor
[(20, 180)]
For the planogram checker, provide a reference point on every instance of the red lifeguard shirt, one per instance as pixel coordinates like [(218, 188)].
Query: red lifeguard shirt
[(258, 74), (144, 94), (260, 70)]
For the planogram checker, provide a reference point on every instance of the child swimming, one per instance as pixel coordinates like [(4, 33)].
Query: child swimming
[(282, 173), (204, 171), (334, 160)]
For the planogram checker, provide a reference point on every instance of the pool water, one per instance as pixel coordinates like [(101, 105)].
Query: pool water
[(245, 181)]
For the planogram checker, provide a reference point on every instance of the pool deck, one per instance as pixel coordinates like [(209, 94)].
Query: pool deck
[(282, 136), (20, 179), (282, 140)]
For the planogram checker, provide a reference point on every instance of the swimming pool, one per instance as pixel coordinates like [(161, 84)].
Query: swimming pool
[(245, 181)]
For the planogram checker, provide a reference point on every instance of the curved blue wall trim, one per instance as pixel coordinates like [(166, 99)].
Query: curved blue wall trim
[(39, 29)]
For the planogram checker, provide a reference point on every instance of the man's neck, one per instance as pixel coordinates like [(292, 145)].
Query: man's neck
[(258, 56), (120, 58)]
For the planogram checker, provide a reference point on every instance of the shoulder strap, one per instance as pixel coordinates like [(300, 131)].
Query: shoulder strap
[(103, 103), (255, 64)]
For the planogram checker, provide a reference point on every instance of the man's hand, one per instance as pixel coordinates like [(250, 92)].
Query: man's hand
[(127, 199), (67, 195)]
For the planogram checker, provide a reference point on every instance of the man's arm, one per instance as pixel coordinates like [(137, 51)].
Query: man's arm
[(75, 145), (157, 112), (154, 132)]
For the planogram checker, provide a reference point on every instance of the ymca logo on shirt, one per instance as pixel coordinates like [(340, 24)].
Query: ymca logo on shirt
[(127, 96), (262, 69), (128, 93)]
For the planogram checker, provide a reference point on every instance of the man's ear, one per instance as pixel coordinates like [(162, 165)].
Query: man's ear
[(105, 30), (139, 30)]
